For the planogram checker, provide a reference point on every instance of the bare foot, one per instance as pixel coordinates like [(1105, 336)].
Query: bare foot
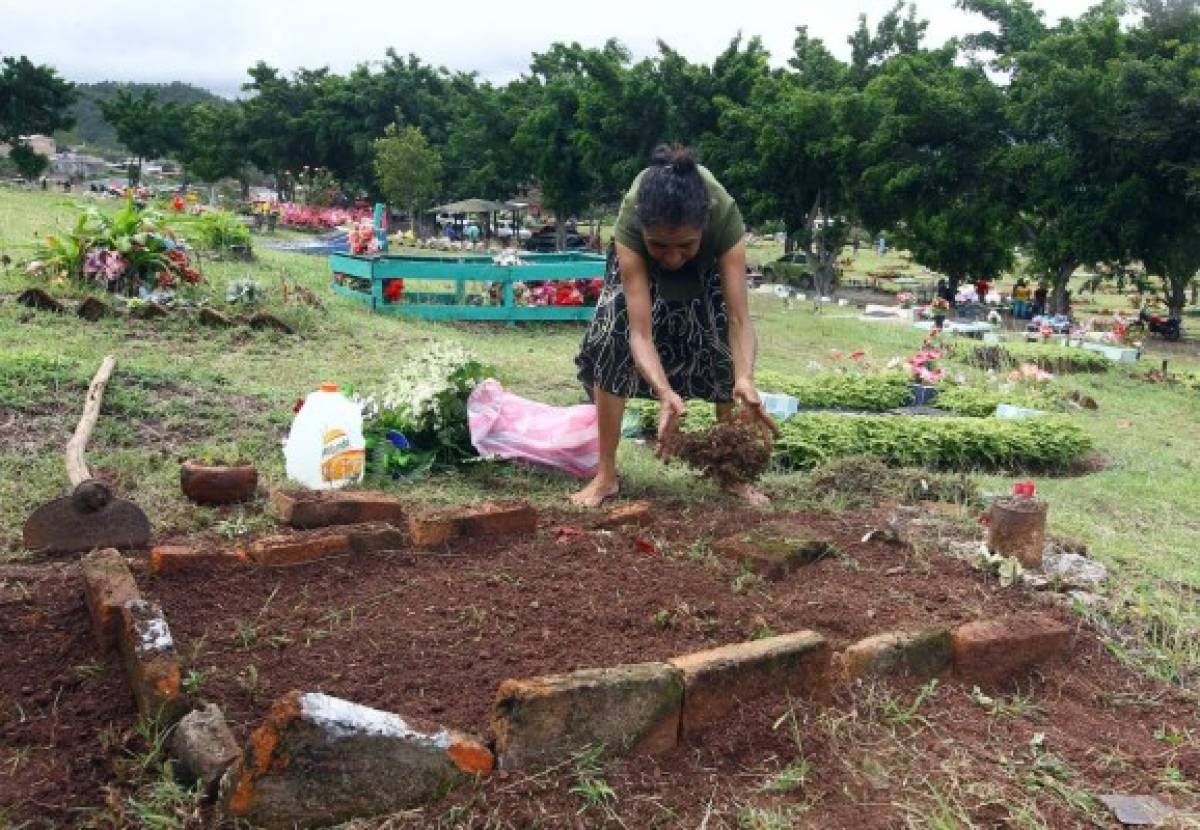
[(749, 494), (597, 492)]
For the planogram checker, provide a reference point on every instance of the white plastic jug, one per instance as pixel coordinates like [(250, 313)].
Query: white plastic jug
[(325, 448)]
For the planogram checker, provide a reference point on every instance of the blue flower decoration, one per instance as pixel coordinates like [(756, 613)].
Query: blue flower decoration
[(398, 440)]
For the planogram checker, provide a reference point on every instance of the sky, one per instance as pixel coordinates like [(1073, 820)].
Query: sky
[(212, 43)]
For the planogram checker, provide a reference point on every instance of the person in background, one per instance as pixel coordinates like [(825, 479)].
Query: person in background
[(673, 320), (1021, 295), (1039, 300), (982, 286)]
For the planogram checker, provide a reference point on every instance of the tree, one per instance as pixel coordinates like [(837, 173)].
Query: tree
[(214, 146), (549, 136), (1066, 179), (928, 163), (407, 168), (147, 128), (1160, 140), (33, 100)]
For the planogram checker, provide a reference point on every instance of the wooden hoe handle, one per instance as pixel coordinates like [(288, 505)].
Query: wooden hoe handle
[(77, 470)]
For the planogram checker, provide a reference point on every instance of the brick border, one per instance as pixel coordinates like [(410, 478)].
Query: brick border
[(648, 707)]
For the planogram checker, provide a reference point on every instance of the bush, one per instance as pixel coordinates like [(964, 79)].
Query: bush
[(699, 417), (832, 390), (131, 252), (948, 443), (1049, 358), (219, 230), (973, 402)]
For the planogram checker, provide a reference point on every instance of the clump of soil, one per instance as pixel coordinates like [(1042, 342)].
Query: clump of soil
[(730, 454)]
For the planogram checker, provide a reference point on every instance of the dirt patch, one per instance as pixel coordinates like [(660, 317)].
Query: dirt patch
[(431, 635), (67, 718)]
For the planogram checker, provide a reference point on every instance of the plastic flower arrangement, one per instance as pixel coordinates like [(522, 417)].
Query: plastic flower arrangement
[(133, 252), (393, 290), (362, 238), (905, 299), (921, 364), (939, 305)]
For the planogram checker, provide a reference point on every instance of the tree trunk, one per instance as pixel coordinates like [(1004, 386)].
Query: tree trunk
[(1062, 280), (560, 234), (1175, 292)]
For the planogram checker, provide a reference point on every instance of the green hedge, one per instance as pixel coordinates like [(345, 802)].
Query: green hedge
[(1050, 358), (973, 402), (873, 392), (953, 443), (1049, 442)]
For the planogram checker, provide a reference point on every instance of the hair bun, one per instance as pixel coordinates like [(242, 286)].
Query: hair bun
[(679, 159)]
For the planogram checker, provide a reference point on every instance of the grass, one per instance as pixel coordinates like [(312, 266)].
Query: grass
[(181, 390)]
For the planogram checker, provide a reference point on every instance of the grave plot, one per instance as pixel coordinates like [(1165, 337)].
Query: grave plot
[(743, 664)]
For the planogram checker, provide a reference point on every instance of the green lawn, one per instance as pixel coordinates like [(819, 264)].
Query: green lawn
[(180, 389)]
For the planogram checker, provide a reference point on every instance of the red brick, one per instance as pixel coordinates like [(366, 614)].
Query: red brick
[(150, 661), (371, 537), (717, 680), (989, 650), (306, 509), (107, 585), (918, 654), (633, 514), (627, 709), (433, 529), (297, 548), (317, 760), (169, 559), (774, 550)]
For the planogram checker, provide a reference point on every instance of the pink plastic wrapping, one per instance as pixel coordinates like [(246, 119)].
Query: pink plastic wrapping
[(507, 426)]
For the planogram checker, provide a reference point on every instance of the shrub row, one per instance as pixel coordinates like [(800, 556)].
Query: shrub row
[(973, 402), (952, 443), (868, 392), (1050, 358), (1049, 442), (873, 392)]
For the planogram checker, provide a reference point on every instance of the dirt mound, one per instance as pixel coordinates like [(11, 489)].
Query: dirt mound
[(730, 454)]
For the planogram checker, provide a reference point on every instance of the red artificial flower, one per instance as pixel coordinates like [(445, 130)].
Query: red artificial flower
[(568, 294), (857, 355), (393, 290)]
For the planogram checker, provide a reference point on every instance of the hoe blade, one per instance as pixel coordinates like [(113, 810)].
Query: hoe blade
[(64, 526)]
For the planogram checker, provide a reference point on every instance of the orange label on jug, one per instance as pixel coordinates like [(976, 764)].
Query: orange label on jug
[(340, 461)]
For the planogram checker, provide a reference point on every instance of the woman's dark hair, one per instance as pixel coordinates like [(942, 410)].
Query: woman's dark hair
[(672, 192)]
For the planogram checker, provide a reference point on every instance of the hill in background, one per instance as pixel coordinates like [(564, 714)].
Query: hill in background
[(93, 132)]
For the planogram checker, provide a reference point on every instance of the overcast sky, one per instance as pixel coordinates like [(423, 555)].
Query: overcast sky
[(211, 43)]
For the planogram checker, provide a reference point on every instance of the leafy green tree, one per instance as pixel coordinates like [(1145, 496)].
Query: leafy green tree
[(214, 145), (478, 157), (549, 137), (929, 163), (408, 169), (1067, 181), (280, 140), (1160, 141), (893, 35), (147, 128), (33, 100)]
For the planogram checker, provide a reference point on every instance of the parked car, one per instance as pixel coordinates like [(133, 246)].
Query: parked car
[(545, 243), (790, 269)]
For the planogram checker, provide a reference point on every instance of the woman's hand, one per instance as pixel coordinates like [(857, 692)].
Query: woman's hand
[(670, 413), (752, 409)]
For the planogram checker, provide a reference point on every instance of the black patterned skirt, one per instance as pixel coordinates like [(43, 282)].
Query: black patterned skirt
[(691, 336)]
